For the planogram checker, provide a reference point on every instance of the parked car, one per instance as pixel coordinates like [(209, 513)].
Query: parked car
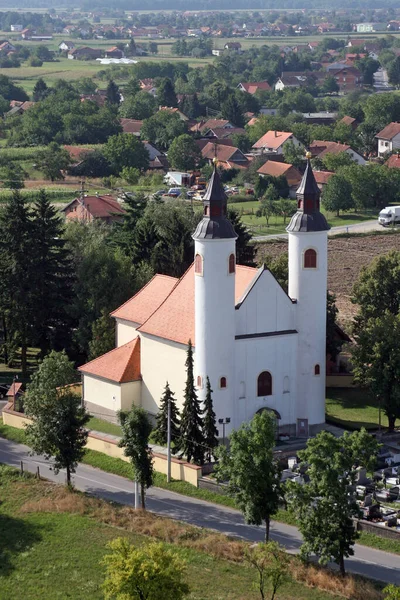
[(174, 192), (160, 193)]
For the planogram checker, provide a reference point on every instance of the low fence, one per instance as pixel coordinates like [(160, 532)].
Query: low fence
[(384, 532), (340, 380), (180, 469)]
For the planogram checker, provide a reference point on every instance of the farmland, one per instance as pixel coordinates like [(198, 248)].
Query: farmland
[(346, 257)]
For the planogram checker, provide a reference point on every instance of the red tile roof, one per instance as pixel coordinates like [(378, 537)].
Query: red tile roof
[(131, 125), (275, 169), (139, 308), (320, 148), (76, 151), (393, 161), (322, 177), (273, 139), (14, 389), (252, 87), (120, 365), (98, 206), (389, 132), (174, 319), (348, 120), (221, 152)]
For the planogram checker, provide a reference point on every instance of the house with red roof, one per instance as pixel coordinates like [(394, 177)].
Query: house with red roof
[(272, 142), (277, 169), (228, 157), (388, 138), (131, 126), (393, 162), (254, 86), (262, 349), (321, 148), (94, 208)]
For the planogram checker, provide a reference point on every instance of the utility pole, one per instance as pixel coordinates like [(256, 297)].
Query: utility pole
[(136, 494), (169, 442), (81, 197)]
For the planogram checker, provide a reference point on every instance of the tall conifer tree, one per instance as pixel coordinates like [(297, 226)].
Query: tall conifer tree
[(210, 430), (192, 438), (160, 432), (51, 278)]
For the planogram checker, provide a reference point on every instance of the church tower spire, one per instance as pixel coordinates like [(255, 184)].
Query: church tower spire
[(214, 273), (308, 267)]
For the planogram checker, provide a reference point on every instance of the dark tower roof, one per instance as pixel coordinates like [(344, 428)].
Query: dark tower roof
[(215, 223), (308, 216)]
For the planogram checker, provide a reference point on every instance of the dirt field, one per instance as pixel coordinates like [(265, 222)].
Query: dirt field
[(346, 257)]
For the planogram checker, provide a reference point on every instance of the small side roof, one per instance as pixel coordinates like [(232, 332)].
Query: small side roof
[(121, 365)]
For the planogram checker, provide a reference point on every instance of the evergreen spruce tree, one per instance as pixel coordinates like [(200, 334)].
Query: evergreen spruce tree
[(191, 434), (40, 91), (166, 93), (232, 112), (160, 432), (210, 430), (51, 278), (113, 95), (16, 271)]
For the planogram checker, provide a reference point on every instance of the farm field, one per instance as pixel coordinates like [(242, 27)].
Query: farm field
[(277, 224), (346, 256), (35, 515)]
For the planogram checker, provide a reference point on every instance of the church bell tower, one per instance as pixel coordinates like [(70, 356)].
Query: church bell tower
[(308, 268), (215, 267)]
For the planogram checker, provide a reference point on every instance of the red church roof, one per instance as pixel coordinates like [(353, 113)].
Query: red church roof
[(121, 365)]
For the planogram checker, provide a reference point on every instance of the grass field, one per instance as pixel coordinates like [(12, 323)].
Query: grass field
[(353, 408), (53, 541), (258, 225)]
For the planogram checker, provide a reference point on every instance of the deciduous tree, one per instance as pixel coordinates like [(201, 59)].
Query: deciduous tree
[(251, 471), (337, 194), (272, 565), (53, 160), (184, 154), (125, 150), (136, 429), (150, 572)]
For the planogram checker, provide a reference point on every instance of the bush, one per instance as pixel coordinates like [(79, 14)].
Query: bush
[(34, 61), (241, 198)]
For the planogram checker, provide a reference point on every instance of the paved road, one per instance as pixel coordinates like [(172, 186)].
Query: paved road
[(367, 561), (363, 227)]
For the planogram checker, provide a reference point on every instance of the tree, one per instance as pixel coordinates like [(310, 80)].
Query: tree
[(381, 109), (160, 432), (394, 71), (343, 133), (184, 154), (210, 430), (324, 506), (53, 160), (267, 203), (330, 85), (58, 417), (245, 249), (191, 441), (131, 48), (232, 112), (103, 336), (125, 150), (162, 128), (241, 141), (51, 278), (252, 473), (140, 106), (40, 91), (333, 162), (16, 272), (293, 155), (376, 362), (136, 429), (166, 94), (112, 93), (337, 195), (12, 175), (272, 565), (131, 88), (333, 344), (285, 207), (153, 48), (368, 66), (150, 572), (392, 592)]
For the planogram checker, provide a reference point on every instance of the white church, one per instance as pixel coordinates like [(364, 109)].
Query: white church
[(262, 349)]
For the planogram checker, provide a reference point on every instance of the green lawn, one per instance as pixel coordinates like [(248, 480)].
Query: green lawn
[(51, 555), (7, 373), (353, 408), (258, 225), (104, 426)]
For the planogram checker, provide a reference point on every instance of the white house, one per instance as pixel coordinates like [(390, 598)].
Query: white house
[(273, 142), (66, 46), (263, 349), (321, 148), (388, 138)]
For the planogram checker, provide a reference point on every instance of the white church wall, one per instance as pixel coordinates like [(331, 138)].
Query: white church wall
[(125, 332), (161, 361), (130, 394), (101, 393), (276, 354), (265, 309)]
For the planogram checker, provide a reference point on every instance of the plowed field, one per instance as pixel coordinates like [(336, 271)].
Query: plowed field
[(346, 257)]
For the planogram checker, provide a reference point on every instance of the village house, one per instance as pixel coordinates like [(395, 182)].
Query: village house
[(322, 178), (84, 52), (388, 138), (273, 141), (132, 126), (114, 52), (321, 148), (94, 208), (277, 169), (228, 157), (66, 46), (6, 47), (254, 86)]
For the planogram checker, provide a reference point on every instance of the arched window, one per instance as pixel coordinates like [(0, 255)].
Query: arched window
[(317, 370), (222, 382), (232, 263), (310, 259), (264, 384), (199, 381), (198, 264)]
